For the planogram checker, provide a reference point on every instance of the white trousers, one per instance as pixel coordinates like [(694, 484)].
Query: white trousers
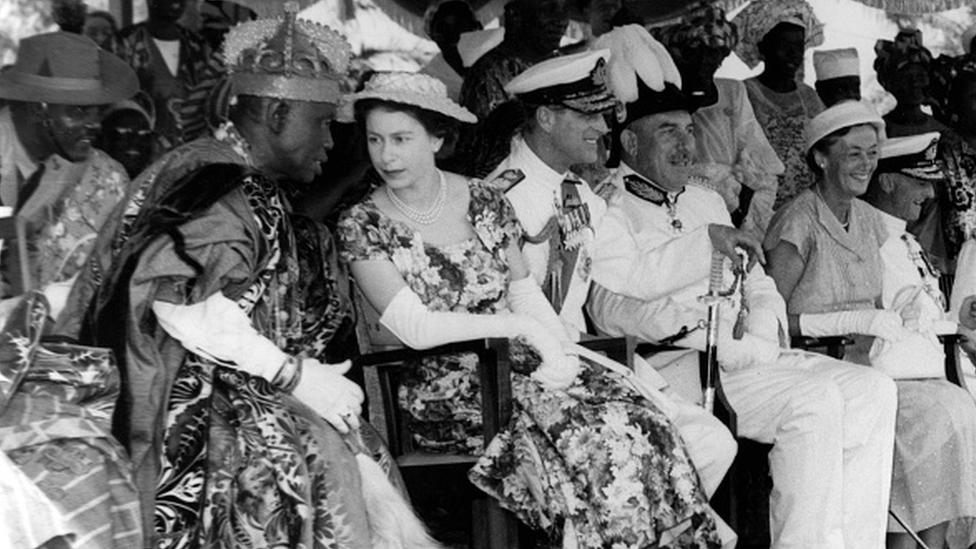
[(832, 427), (709, 443)]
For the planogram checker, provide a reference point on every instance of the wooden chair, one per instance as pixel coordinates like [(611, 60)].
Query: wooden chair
[(491, 526)]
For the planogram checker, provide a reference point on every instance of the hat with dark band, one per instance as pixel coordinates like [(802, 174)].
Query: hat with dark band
[(913, 156), (67, 69), (577, 82)]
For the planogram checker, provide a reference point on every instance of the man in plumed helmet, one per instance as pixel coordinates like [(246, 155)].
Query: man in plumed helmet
[(831, 423), (221, 306)]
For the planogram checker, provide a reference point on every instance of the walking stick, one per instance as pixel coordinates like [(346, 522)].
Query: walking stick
[(911, 532)]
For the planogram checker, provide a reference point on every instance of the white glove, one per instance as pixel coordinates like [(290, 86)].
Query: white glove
[(325, 389), (873, 322), (546, 333), (419, 327), (557, 372), (738, 354)]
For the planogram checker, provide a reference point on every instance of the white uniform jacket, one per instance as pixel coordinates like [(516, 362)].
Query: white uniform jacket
[(534, 191)]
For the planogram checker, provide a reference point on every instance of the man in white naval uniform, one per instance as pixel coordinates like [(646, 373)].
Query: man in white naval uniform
[(565, 100), (831, 423)]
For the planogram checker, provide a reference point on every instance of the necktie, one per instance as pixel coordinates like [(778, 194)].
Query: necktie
[(573, 217), (29, 187)]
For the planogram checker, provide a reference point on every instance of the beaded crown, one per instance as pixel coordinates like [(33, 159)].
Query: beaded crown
[(287, 58)]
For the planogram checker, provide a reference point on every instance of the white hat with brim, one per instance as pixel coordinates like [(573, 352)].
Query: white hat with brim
[(407, 88), (67, 69), (913, 156), (842, 115), (577, 81)]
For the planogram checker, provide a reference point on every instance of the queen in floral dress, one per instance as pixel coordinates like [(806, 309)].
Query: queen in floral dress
[(593, 459)]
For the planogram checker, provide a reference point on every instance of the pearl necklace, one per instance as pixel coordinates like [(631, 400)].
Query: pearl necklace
[(422, 217)]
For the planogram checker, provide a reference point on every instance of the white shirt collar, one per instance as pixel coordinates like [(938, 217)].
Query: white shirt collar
[(525, 158), (895, 225)]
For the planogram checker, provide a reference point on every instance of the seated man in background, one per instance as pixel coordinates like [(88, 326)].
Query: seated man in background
[(565, 100), (831, 424), (50, 174), (901, 183)]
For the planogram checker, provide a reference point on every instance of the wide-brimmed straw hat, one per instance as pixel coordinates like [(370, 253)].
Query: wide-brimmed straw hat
[(67, 69), (408, 88), (842, 115)]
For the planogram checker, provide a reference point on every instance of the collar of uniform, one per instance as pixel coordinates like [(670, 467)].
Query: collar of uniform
[(655, 195), (896, 226), (535, 170)]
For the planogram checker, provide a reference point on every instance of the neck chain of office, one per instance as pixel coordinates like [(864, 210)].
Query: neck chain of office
[(422, 217)]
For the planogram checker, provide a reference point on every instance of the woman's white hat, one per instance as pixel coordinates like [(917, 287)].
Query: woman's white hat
[(408, 88), (842, 115)]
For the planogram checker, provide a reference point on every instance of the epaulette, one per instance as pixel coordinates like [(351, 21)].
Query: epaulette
[(508, 179)]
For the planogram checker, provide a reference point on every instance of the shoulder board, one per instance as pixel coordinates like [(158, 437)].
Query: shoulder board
[(508, 179)]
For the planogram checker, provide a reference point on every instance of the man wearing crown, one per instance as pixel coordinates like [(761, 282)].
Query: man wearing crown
[(565, 100), (831, 424), (221, 304)]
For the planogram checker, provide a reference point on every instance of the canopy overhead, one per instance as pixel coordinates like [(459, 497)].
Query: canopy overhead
[(915, 7)]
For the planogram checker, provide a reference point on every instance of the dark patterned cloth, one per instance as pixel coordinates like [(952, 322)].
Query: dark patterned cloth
[(484, 83), (596, 456), (56, 402), (180, 100), (223, 458)]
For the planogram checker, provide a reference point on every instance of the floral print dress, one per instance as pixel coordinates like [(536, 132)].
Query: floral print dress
[(597, 456)]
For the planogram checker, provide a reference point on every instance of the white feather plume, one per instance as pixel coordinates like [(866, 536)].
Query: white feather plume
[(634, 54)]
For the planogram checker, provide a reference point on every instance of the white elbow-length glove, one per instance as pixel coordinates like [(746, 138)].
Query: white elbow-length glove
[(559, 368), (218, 329), (874, 322), (419, 327)]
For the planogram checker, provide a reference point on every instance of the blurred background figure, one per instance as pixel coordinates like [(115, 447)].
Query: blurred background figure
[(50, 172), (778, 33), (127, 128), (838, 75), (444, 23), (732, 155), (176, 67), (100, 26), (903, 66), (69, 15), (533, 30)]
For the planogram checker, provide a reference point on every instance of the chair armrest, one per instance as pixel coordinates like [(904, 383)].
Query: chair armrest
[(494, 373), (953, 369), (833, 345)]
